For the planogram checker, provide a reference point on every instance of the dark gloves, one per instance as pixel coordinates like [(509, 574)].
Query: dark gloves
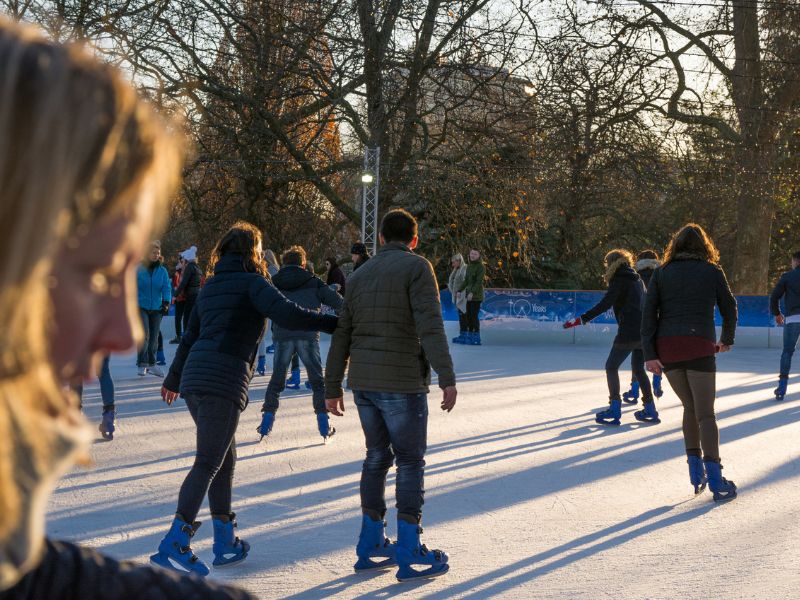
[(165, 308), (329, 323)]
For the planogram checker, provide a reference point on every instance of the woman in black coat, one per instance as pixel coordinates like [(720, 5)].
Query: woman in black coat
[(212, 371), (625, 294), (335, 275), (679, 338)]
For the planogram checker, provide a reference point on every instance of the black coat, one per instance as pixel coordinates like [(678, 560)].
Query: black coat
[(680, 301), (189, 285), (624, 295), (218, 348), (70, 572), (788, 288), (336, 275), (308, 291)]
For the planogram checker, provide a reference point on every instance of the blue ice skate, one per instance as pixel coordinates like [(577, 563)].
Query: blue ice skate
[(265, 427), (632, 396), (293, 383), (261, 368), (658, 391), (474, 339), (780, 391), (108, 425), (411, 552), (612, 414), (461, 338), (648, 414), (160, 358), (271, 349), (372, 544), (175, 553), (324, 426), (697, 473), (723, 489), (228, 549)]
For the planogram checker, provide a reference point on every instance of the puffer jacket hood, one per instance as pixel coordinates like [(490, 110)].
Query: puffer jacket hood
[(620, 265), (647, 263), (292, 277)]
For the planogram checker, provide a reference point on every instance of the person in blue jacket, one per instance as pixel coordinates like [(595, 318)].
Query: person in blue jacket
[(212, 370), (788, 288), (155, 293)]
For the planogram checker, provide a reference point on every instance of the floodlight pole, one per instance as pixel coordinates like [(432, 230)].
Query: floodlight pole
[(369, 202)]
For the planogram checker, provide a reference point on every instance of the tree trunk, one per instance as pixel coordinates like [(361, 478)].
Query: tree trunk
[(755, 213)]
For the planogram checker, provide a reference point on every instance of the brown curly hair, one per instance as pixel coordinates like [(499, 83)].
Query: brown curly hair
[(614, 259), (692, 240), (242, 238)]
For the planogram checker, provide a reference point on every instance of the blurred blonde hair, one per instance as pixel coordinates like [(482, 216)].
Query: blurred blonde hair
[(76, 146), (614, 259)]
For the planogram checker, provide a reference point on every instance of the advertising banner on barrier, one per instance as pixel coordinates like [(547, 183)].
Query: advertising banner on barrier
[(528, 307)]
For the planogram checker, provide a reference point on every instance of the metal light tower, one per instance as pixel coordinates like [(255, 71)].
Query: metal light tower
[(369, 202)]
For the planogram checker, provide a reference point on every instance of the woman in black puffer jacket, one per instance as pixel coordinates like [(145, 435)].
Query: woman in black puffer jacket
[(212, 371), (625, 294), (679, 338)]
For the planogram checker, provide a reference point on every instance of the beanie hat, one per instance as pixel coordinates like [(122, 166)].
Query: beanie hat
[(190, 254), (358, 248)]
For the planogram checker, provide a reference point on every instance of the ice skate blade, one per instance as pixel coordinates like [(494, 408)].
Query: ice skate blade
[(699, 489), (720, 499), (613, 422), (417, 575), (367, 565), (229, 565)]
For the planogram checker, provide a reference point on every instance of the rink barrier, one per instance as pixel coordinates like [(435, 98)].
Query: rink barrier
[(537, 315)]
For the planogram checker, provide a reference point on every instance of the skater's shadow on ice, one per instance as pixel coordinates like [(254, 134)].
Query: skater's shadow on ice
[(509, 577), (341, 585)]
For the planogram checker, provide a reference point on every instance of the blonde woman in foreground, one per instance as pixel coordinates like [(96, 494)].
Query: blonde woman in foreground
[(85, 170)]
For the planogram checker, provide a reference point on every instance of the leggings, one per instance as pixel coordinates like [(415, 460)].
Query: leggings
[(697, 391), (212, 472), (615, 358)]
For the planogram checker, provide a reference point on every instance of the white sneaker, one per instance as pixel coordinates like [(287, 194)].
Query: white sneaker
[(142, 371), (156, 370)]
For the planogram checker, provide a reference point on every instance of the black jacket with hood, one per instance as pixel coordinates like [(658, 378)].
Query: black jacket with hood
[(218, 348), (308, 291), (625, 294)]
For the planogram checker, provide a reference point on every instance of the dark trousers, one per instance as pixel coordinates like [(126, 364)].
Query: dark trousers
[(187, 310), (215, 460), (697, 391), (179, 307), (395, 429), (473, 310), (151, 323), (106, 386), (308, 352), (791, 333), (615, 358), (462, 322)]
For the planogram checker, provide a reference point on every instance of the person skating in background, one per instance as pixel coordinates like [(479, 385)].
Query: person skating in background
[(472, 287), (272, 270), (108, 422), (646, 262), (680, 339), (335, 275), (359, 254), (788, 288), (178, 300), (91, 171), (155, 294), (189, 286), (390, 327), (308, 291), (454, 283), (625, 295), (212, 370)]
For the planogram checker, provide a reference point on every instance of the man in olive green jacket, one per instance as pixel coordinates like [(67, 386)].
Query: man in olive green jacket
[(391, 330), (473, 288)]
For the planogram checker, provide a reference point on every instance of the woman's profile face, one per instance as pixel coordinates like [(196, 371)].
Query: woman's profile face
[(455, 263), (93, 293)]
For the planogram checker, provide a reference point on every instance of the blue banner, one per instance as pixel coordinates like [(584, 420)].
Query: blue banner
[(553, 306)]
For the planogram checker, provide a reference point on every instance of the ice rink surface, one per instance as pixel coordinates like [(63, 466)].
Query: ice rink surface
[(529, 497)]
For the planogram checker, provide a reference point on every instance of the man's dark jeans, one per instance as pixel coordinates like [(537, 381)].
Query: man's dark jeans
[(791, 333), (151, 323), (615, 358), (216, 419), (396, 429), (308, 351)]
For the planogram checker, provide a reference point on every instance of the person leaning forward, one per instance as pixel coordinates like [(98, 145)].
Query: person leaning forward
[(391, 331)]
